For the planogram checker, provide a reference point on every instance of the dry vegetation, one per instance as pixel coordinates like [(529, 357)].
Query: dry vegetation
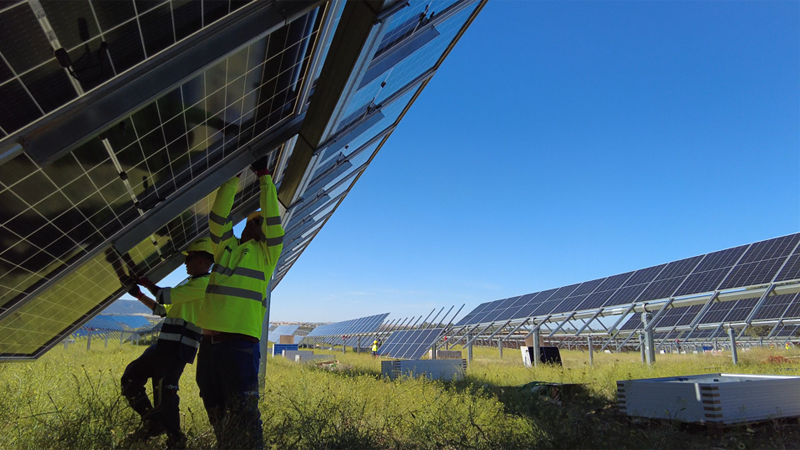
[(70, 399)]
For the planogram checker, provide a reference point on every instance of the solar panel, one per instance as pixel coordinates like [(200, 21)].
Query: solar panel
[(282, 330), (409, 344), (738, 267), (111, 166), (332, 333)]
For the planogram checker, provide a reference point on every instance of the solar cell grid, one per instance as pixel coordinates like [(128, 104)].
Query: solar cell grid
[(625, 295), (391, 80), (741, 310), (703, 281), (564, 292), (634, 322), (773, 248), (132, 35), (643, 276), (499, 309), (588, 287), (511, 309), (774, 307), (409, 344), (749, 274), (595, 299), (679, 268), (661, 289), (793, 310), (791, 271), (721, 259), (671, 317), (533, 302), (689, 315), (716, 313), (82, 198), (614, 282), (569, 304)]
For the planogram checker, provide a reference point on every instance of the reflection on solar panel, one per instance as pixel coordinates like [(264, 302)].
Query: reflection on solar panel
[(410, 344), (740, 267), (282, 330), (118, 122)]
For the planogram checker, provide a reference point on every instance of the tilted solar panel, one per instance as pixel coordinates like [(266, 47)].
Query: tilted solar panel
[(410, 344), (108, 165)]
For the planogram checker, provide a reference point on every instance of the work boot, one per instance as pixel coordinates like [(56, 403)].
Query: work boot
[(146, 431), (176, 442)]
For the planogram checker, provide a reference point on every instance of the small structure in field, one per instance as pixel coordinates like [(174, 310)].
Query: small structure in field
[(713, 399)]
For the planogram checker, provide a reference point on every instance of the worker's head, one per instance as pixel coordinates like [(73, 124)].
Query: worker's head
[(198, 257), (375, 341), (252, 230)]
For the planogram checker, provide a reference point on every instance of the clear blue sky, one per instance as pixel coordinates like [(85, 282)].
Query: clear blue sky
[(566, 141)]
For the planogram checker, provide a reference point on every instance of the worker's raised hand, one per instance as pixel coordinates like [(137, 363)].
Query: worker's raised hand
[(260, 166), (135, 292)]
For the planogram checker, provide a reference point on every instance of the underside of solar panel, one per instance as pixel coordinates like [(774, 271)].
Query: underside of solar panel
[(119, 119)]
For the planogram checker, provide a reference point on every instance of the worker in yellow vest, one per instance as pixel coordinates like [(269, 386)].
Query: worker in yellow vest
[(176, 346), (375, 348), (233, 312)]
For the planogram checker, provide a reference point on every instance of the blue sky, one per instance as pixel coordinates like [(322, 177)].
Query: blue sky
[(566, 141)]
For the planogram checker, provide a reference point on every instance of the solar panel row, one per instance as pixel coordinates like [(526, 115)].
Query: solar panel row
[(747, 265), (409, 344)]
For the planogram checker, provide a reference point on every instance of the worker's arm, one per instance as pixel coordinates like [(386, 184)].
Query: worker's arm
[(191, 290), (270, 212), (144, 281), (219, 221)]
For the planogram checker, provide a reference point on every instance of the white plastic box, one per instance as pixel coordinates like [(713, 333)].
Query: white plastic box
[(721, 399), (434, 369)]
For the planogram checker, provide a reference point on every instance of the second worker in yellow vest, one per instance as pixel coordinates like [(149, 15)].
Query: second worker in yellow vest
[(233, 312)]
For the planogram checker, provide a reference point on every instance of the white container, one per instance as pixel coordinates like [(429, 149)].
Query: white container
[(713, 399), (434, 369)]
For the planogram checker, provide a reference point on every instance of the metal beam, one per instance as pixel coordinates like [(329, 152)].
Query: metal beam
[(658, 315), (564, 322), (586, 325), (203, 185), (72, 125), (350, 52)]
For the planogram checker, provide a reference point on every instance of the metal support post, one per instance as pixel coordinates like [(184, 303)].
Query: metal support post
[(433, 351), (358, 345), (641, 346), (344, 346), (89, 341), (500, 347), (650, 349), (106, 341), (469, 348), (121, 338), (536, 349), (591, 350), (732, 336)]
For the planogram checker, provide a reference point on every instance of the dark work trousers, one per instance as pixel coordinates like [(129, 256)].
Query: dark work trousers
[(165, 369), (227, 375)]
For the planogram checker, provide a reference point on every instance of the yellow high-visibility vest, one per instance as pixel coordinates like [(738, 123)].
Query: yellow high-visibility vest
[(235, 300), (179, 328), (374, 347)]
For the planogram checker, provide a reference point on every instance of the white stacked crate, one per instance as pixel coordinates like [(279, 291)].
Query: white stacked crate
[(717, 399)]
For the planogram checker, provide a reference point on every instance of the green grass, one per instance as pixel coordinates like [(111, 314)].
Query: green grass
[(70, 399)]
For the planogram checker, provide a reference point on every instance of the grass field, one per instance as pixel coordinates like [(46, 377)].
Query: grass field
[(70, 399)]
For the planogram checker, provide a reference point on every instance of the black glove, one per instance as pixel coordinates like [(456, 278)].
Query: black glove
[(135, 292), (260, 166)]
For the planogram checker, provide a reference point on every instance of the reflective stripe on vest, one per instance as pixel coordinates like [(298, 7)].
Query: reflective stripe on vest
[(240, 271), (236, 292)]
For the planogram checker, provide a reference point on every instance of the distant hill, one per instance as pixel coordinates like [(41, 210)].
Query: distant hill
[(125, 307)]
